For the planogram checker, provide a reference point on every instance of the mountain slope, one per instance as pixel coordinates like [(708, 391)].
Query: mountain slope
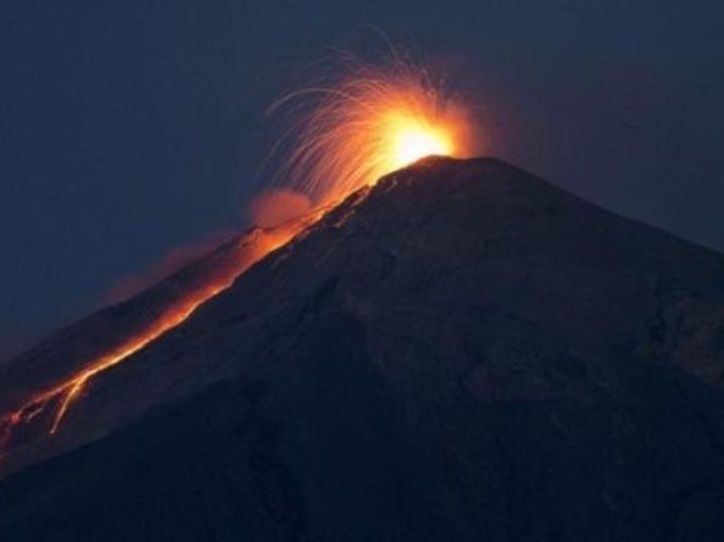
[(463, 352)]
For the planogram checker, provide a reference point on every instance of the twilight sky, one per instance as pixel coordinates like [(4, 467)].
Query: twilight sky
[(130, 131)]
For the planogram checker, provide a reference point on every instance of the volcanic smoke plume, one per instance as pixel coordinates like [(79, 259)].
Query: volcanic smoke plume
[(171, 262), (275, 207)]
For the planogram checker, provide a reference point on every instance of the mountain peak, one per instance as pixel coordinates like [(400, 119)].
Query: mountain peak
[(461, 351)]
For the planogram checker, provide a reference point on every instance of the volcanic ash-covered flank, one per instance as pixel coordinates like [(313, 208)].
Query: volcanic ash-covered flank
[(462, 352)]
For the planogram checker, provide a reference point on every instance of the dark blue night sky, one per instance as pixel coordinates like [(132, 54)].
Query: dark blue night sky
[(131, 128)]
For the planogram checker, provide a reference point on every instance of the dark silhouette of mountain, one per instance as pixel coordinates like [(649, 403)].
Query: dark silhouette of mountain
[(461, 353)]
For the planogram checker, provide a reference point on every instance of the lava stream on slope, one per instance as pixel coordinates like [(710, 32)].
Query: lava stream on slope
[(53, 403)]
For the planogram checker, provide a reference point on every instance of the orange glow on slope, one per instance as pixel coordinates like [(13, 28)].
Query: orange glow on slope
[(353, 131), (250, 250)]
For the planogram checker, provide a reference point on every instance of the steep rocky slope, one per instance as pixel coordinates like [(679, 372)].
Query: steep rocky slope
[(463, 352)]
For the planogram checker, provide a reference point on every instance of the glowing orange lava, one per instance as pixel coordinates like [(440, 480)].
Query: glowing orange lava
[(375, 120)]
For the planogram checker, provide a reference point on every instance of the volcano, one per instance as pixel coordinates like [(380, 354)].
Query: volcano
[(462, 352)]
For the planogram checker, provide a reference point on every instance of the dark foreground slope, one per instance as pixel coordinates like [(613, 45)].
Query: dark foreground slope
[(462, 353)]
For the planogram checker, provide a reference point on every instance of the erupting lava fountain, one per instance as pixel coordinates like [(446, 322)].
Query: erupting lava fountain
[(366, 124)]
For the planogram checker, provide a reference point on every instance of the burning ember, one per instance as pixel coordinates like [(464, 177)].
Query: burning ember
[(344, 136)]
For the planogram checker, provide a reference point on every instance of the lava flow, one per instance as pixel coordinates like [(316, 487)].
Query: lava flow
[(250, 249), (370, 123)]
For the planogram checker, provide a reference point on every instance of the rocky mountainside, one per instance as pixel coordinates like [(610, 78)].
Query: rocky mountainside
[(463, 352)]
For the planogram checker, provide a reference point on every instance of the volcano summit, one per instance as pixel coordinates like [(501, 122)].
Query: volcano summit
[(462, 352)]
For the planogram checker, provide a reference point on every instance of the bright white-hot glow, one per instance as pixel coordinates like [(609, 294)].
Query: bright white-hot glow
[(413, 141)]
